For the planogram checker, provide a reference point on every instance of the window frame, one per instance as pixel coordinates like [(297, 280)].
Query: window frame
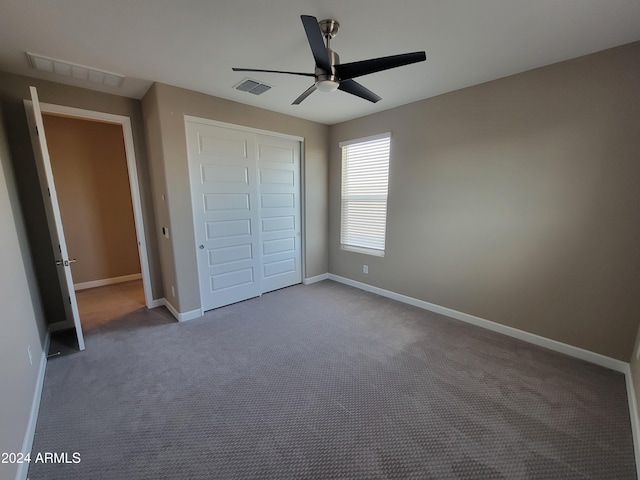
[(346, 243)]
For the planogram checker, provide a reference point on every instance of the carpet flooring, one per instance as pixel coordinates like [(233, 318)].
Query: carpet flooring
[(326, 381)]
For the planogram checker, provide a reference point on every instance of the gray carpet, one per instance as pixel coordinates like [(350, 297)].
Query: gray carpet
[(326, 381)]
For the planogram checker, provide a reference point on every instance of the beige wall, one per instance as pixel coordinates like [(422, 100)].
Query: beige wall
[(23, 321), (516, 201), (164, 109), (92, 182), (15, 88)]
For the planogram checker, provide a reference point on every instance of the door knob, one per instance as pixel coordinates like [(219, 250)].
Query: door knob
[(201, 247), (66, 263)]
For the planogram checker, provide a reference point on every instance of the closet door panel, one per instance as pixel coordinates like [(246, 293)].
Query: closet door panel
[(222, 164)]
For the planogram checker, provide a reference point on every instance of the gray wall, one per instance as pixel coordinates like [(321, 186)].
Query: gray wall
[(515, 201), (164, 109), (23, 322), (15, 88)]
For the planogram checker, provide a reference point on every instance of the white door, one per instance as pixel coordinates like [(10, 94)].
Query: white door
[(47, 185), (222, 164), (279, 190), (245, 190)]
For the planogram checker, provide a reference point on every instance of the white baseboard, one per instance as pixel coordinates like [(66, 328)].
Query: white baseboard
[(107, 281), (316, 279), (181, 317), (554, 345), (160, 302), (633, 414), (27, 443)]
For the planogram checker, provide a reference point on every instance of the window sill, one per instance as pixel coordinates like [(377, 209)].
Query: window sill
[(363, 250)]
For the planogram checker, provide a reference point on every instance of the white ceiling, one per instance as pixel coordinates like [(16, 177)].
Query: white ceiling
[(194, 43)]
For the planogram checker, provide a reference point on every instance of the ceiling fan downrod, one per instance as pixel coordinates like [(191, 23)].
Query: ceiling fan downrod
[(328, 81)]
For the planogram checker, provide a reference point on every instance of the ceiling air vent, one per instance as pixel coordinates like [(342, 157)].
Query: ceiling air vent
[(252, 86), (74, 70)]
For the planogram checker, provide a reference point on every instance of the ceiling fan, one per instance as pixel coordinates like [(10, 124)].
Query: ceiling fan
[(330, 74)]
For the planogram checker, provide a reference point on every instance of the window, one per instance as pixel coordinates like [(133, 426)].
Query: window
[(365, 180)]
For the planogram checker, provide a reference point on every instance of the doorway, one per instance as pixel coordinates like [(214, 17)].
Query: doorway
[(89, 165), (94, 167)]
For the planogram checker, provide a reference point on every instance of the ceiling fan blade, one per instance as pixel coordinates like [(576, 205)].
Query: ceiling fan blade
[(271, 71), (304, 95), (354, 88), (356, 69), (316, 42)]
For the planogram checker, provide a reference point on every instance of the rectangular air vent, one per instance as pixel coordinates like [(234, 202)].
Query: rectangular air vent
[(74, 70), (252, 86)]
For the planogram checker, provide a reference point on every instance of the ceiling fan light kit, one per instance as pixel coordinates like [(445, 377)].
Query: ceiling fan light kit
[(327, 85), (330, 75)]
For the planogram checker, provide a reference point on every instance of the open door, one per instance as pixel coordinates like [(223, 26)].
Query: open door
[(54, 220)]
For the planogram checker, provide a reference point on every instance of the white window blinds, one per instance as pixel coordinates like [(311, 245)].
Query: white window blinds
[(365, 180)]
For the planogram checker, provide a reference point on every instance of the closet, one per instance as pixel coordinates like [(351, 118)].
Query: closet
[(245, 190)]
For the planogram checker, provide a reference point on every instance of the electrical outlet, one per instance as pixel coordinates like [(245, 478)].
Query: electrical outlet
[(638, 353), (29, 353), (173, 292), (365, 268), (165, 232)]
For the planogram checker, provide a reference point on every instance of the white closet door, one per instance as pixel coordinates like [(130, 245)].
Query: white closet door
[(245, 190), (279, 193), (222, 164)]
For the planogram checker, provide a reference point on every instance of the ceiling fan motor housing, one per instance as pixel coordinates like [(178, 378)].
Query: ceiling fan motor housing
[(328, 81)]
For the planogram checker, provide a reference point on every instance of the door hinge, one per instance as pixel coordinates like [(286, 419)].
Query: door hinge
[(69, 300)]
